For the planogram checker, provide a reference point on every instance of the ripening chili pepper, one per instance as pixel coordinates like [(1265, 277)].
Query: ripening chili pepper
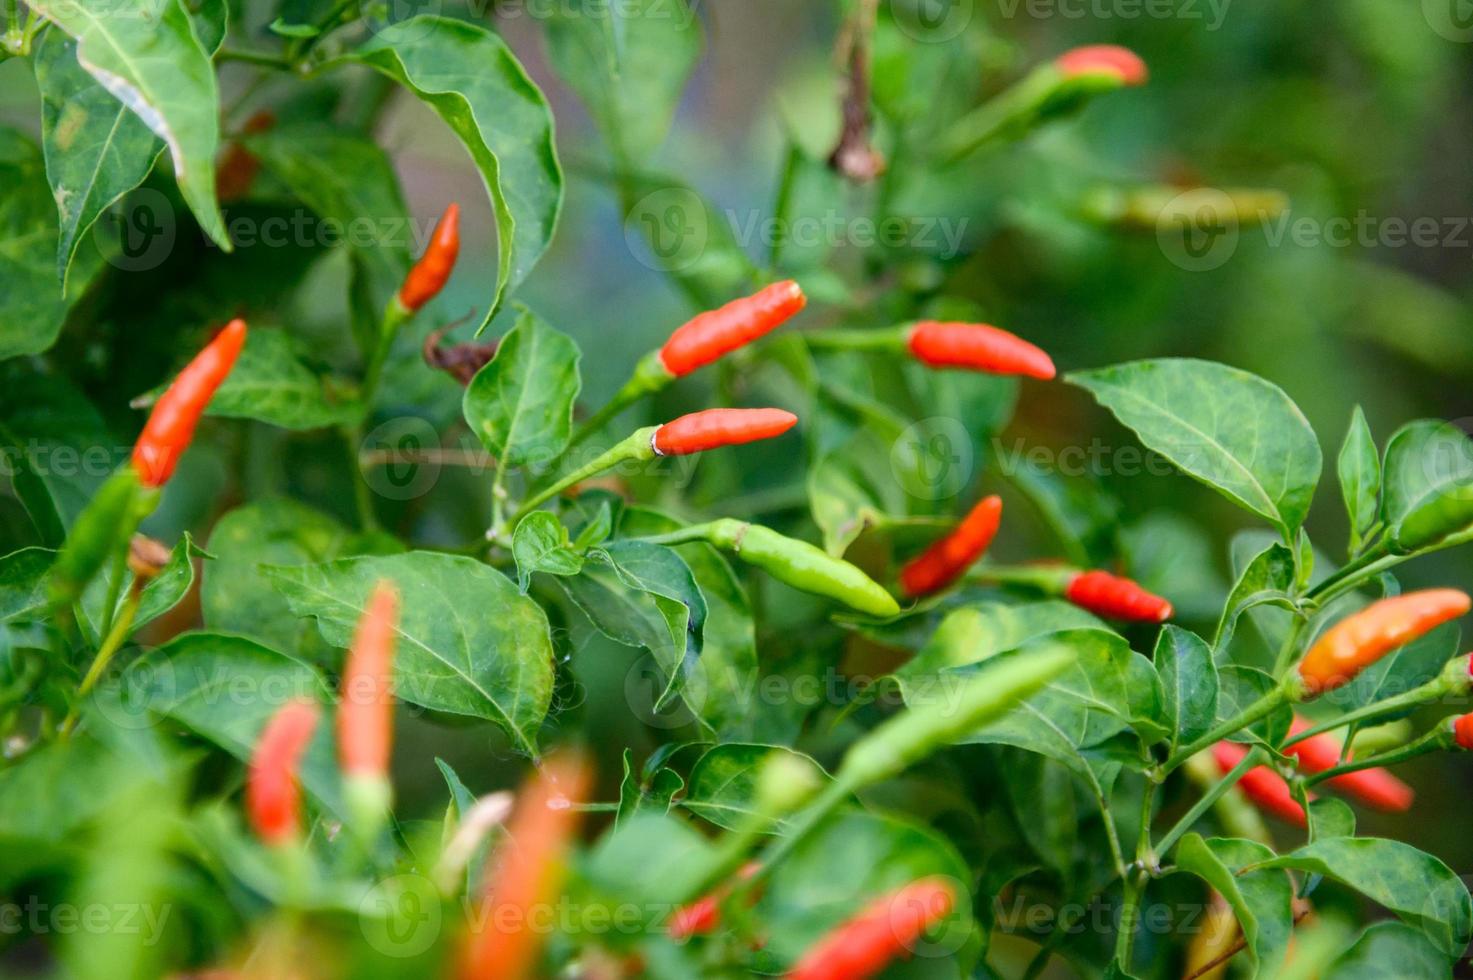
[(1213, 942), (717, 427), (1463, 731), (433, 269), (884, 931), (1122, 64), (716, 333), (703, 916), (803, 566), (366, 710), (945, 561), (1375, 787), (977, 347), (1116, 598), (1260, 784), (171, 425), (1448, 515), (525, 873), (1362, 638), (273, 798)]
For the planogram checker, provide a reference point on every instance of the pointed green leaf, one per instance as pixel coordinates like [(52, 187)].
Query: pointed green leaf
[(1359, 468), (521, 403), (1262, 900), (723, 782), (1189, 684)]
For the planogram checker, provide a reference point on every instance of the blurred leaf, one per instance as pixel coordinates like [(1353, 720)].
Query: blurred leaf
[(723, 783), (1383, 943), (1266, 580), (1231, 430), (1359, 468), (1172, 556), (521, 403), (629, 63), (23, 594), (975, 633), (642, 859), (152, 61), (473, 81), (468, 642), (1079, 512), (1425, 461), (653, 795), (1261, 899)]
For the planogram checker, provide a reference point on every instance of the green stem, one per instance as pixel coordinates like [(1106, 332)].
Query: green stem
[(1129, 909), (650, 376), (1255, 756), (1434, 688), (1046, 579), (838, 792), (1259, 709), (105, 653), (694, 532), (362, 496), (635, 446), (1374, 561), (262, 58), (892, 339), (299, 47), (1439, 738), (1290, 647)]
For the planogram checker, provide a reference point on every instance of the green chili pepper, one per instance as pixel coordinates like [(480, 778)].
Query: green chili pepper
[(951, 715), (802, 566), (1448, 516), (101, 531)]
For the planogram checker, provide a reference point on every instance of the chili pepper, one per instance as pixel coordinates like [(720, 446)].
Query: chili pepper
[(99, 532), (525, 874), (977, 347), (238, 170), (1121, 64), (945, 561), (1449, 515), (803, 566), (1213, 941), (716, 333), (433, 269), (1116, 598), (1463, 731), (924, 727), (884, 931), (717, 427), (170, 426), (703, 916), (366, 710), (1359, 640), (1375, 787), (273, 798), (1260, 784)]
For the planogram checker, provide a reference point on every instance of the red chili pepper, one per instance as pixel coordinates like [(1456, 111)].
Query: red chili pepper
[(978, 347), (717, 427), (1375, 787), (712, 335), (1103, 59), (1260, 784), (433, 269), (366, 712), (525, 874), (704, 914), (1362, 638), (238, 170), (273, 799), (881, 933), (945, 561), (1116, 598), (171, 425), (1463, 731)]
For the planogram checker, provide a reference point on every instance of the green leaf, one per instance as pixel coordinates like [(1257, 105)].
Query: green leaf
[(642, 859), (1261, 899), (349, 182), (468, 642), (521, 403), (1391, 942), (974, 633), (629, 63), (224, 689), (1359, 468), (96, 149), (848, 861), (473, 81), (540, 544), (1228, 428), (236, 597), (1418, 887), (1330, 817), (1189, 684), (723, 783), (1426, 462), (163, 592), (23, 593), (151, 59), (1241, 686), (1173, 557), (1267, 579), (654, 795)]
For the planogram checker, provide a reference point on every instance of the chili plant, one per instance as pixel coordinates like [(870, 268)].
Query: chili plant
[(715, 667)]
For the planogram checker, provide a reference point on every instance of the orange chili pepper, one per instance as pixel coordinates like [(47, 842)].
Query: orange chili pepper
[(171, 425), (945, 561), (433, 269), (273, 799), (884, 931), (1360, 639), (978, 347), (717, 427), (716, 333)]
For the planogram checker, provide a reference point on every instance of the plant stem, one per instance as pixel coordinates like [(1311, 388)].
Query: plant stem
[(650, 375), (635, 446), (1125, 929), (114, 589), (1259, 709), (262, 58), (1372, 562), (362, 500), (837, 793), (1417, 695), (856, 340), (105, 653), (1438, 738), (1255, 756), (1290, 647)]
